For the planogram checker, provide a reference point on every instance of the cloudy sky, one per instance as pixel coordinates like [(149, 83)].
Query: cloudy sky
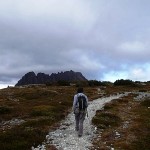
[(104, 39)]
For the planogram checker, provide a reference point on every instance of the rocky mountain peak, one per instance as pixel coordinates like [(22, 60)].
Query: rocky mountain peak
[(42, 78)]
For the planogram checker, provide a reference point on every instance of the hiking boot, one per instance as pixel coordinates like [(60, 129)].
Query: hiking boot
[(76, 129), (79, 135)]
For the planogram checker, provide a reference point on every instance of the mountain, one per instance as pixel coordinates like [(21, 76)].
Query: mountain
[(42, 78)]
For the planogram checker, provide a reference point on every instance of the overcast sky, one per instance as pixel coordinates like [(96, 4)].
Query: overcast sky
[(105, 40)]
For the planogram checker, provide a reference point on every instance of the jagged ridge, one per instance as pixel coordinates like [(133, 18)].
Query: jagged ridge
[(42, 78)]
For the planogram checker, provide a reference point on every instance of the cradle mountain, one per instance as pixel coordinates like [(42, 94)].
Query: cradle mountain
[(42, 78)]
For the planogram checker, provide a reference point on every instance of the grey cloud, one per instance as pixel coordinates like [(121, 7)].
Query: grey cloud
[(95, 37)]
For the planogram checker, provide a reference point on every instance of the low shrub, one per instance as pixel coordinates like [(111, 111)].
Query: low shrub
[(5, 110), (143, 90), (20, 139), (105, 120), (42, 110), (146, 102), (38, 123), (142, 131)]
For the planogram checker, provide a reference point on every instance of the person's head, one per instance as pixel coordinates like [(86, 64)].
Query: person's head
[(80, 90)]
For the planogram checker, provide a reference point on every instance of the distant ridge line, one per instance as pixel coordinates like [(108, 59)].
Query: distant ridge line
[(42, 78)]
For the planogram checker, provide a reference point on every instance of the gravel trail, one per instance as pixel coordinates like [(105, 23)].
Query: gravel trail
[(66, 138)]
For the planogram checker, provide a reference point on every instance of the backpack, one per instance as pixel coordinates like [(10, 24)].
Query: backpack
[(82, 103)]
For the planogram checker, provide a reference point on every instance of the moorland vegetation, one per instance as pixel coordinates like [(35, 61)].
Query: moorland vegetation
[(40, 108)]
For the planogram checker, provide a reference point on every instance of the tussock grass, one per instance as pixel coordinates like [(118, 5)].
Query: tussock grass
[(42, 108)]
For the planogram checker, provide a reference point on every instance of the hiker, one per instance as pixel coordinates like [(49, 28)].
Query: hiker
[(80, 104)]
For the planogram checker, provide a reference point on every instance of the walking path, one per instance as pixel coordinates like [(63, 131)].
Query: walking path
[(65, 138)]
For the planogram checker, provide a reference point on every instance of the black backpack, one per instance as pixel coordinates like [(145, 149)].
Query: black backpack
[(82, 102)]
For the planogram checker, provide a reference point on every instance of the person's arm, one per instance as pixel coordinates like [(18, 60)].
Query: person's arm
[(74, 102), (87, 100)]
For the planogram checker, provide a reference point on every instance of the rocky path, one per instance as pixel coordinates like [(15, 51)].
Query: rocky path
[(65, 138)]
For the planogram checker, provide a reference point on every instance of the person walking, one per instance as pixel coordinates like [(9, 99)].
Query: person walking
[(80, 104)]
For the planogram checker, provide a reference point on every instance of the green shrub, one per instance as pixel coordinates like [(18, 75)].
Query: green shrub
[(108, 106), (142, 131), (146, 102), (124, 82), (20, 139), (38, 123), (63, 83), (142, 90), (104, 120), (42, 110), (5, 109)]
